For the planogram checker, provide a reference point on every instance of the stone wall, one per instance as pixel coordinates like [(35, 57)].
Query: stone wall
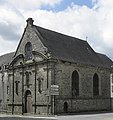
[(85, 101), (29, 66), (60, 73), (41, 98)]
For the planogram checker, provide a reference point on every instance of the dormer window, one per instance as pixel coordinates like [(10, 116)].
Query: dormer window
[(28, 51)]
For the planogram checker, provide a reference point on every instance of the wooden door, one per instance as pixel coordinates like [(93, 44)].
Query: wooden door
[(28, 102)]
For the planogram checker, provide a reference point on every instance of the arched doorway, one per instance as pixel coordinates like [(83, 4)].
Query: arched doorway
[(28, 102), (65, 107)]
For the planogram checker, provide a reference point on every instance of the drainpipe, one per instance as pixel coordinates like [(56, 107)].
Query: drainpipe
[(22, 86), (13, 93), (47, 89), (47, 74), (3, 88), (53, 96), (111, 99), (35, 84)]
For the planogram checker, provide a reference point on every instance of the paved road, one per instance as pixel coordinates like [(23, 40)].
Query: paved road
[(9, 117), (105, 116)]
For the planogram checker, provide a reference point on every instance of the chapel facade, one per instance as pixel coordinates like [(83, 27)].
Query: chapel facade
[(52, 73)]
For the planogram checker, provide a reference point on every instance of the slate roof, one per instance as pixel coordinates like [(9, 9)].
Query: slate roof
[(6, 58), (105, 60), (68, 48)]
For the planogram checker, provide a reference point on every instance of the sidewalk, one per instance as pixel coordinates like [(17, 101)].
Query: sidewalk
[(30, 116)]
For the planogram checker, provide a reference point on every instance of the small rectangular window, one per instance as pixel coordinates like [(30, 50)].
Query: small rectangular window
[(0, 68), (16, 87)]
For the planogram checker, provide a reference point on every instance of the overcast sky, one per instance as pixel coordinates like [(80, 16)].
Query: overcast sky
[(78, 18)]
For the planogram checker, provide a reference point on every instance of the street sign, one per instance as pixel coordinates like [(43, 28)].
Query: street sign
[(54, 90), (54, 93)]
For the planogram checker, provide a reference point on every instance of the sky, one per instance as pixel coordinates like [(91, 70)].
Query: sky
[(91, 19)]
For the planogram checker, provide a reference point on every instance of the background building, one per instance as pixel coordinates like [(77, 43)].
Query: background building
[(4, 86)]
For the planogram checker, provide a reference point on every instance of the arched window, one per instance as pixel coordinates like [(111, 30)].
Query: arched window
[(75, 83), (95, 85), (28, 51)]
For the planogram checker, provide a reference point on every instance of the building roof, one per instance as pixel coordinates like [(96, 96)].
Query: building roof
[(68, 48), (105, 60), (6, 58)]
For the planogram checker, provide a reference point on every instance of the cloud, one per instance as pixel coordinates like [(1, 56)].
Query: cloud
[(34, 4), (8, 32), (10, 23), (79, 21), (7, 46)]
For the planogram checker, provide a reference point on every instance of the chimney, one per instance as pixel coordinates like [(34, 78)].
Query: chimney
[(29, 22)]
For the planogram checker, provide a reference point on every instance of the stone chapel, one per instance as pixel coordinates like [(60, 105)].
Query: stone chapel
[(53, 73)]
